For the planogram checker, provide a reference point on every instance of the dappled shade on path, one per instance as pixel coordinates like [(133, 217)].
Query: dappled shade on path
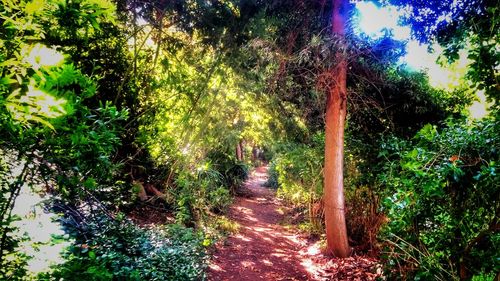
[(265, 250)]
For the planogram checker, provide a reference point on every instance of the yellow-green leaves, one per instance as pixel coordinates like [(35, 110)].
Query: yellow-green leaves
[(34, 7), (34, 105), (428, 132)]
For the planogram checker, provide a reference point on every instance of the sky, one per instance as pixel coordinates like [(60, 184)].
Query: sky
[(373, 21)]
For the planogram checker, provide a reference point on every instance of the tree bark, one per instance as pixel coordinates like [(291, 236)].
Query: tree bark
[(242, 150), (239, 152), (336, 230)]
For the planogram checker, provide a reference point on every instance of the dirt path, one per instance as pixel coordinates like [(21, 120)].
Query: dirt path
[(265, 250), (262, 250)]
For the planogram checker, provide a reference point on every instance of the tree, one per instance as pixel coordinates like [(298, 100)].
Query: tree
[(336, 108), (312, 77), (322, 88), (459, 24)]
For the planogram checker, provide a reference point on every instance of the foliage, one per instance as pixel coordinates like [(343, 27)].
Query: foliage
[(226, 226), (458, 25), (200, 103), (50, 129), (118, 250), (217, 21), (296, 172), (442, 201), (209, 188), (233, 173), (95, 95), (44, 99)]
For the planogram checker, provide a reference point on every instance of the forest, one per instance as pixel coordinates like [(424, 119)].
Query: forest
[(249, 140)]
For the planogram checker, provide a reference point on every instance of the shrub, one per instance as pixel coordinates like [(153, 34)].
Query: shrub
[(296, 172), (199, 193), (110, 249), (299, 172), (442, 201), (220, 199), (208, 188), (272, 180), (233, 172)]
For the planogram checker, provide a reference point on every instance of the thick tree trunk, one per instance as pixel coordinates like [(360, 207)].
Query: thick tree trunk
[(336, 231)]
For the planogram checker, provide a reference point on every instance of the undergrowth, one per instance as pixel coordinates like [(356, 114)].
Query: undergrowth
[(116, 249)]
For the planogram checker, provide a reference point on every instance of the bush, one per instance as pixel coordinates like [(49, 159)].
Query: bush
[(233, 173), (272, 180), (119, 250), (200, 193), (208, 188), (296, 172), (220, 199), (442, 201), (52, 120)]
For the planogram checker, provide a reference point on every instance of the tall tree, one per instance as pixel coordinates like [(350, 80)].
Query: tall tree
[(336, 107)]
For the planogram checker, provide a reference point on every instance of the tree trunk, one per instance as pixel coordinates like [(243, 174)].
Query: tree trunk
[(254, 153), (242, 150), (336, 231), (239, 151)]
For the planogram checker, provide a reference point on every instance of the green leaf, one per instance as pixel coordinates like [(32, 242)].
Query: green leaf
[(428, 132), (90, 183), (7, 80)]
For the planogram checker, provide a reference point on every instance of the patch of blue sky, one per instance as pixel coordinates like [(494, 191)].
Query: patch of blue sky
[(378, 21)]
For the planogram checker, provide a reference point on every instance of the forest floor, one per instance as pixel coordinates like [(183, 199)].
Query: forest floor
[(263, 249)]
